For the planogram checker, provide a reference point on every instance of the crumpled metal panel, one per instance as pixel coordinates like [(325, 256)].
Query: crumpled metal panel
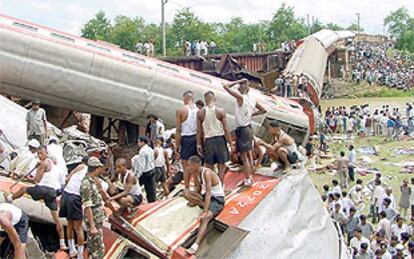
[(291, 222)]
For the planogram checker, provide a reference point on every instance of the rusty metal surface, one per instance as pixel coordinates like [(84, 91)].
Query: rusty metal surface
[(255, 61)]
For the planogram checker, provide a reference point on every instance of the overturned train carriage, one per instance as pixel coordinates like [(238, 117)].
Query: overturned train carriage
[(95, 77)]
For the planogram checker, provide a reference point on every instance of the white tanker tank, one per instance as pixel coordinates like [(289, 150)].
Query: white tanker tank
[(99, 78)]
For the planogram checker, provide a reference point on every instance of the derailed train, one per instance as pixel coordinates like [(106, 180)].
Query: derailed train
[(67, 71), (96, 77)]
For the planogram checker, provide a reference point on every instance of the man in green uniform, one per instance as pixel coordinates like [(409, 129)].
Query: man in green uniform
[(93, 208)]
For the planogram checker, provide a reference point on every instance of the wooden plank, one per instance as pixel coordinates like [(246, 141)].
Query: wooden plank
[(225, 244)]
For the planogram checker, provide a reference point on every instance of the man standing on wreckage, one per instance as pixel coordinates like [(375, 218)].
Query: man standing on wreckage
[(244, 111)]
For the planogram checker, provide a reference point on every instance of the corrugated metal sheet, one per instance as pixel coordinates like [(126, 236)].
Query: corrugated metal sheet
[(251, 61)]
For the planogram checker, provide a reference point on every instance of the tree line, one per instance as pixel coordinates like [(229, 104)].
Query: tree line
[(233, 36)]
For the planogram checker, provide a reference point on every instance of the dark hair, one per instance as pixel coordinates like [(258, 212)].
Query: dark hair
[(209, 93), (85, 160), (344, 193), (42, 147), (325, 187), (362, 217), (200, 103), (188, 92), (335, 182), (364, 246), (342, 153), (383, 214), (274, 124), (359, 181), (143, 139), (337, 195), (195, 160), (351, 147), (352, 209)]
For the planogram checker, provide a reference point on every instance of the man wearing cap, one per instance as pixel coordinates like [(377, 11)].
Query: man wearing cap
[(93, 208), (36, 123), (14, 224), (25, 160)]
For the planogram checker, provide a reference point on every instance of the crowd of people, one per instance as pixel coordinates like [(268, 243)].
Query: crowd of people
[(371, 62), (390, 122), (387, 230), (147, 48), (199, 48), (291, 86), (201, 143)]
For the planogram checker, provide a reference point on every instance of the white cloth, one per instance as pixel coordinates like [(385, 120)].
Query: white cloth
[(24, 162), (346, 205), (385, 224), (144, 162), (397, 231), (352, 157), (74, 184), (15, 212), (189, 126), (212, 127), (336, 189), (55, 151), (160, 160), (378, 193), (243, 114), (136, 188), (216, 190), (356, 243), (392, 205), (51, 178)]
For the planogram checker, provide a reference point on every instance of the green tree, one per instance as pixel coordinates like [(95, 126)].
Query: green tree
[(354, 27), (285, 26), (334, 27), (125, 31), (400, 26), (98, 28)]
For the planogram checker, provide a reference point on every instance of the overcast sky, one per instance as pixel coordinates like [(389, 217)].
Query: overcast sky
[(70, 15)]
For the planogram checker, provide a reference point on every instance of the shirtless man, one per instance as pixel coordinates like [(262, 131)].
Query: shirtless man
[(186, 134), (208, 194), (213, 133), (244, 111), (47, 183), (131, 196), (14, 224), (284, 149)]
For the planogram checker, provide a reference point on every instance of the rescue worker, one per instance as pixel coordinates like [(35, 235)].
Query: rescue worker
[(47, 185), (131, 196), (212, 133), (71, 208), (186, 134), (284, 149), (244, 111), (14, 224), (93, 208), (208, 194)]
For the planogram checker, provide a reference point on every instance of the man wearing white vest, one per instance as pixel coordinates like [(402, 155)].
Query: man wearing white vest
[(244, 111), (213, 135)]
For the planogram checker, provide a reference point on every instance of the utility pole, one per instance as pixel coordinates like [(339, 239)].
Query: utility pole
[(164, 36), (358, 21), (308, 23)]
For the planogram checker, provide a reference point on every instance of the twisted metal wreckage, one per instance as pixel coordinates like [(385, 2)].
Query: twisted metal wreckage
[(279, 218)]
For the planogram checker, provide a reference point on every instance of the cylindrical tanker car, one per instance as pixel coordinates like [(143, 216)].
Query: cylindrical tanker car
[(99, 78)]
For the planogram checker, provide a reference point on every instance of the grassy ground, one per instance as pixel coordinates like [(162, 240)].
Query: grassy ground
[(350, 90), (386, 155)]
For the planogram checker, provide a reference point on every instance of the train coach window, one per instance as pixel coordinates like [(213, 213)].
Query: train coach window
[(25, 26), (98, 47), (62, 37), (141, 60), (168, 67), (294, 106), (200, 77)]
